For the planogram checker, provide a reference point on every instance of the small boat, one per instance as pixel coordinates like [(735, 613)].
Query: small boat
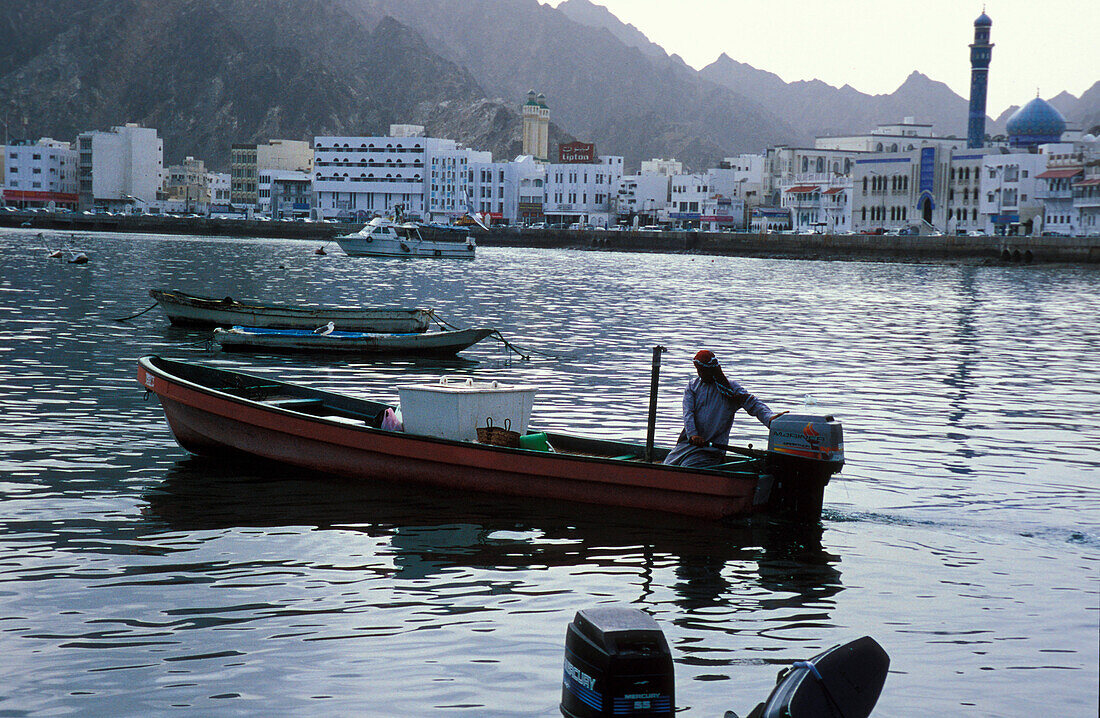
[(213, 411), (190, 310), (327, 340), (383, 237)]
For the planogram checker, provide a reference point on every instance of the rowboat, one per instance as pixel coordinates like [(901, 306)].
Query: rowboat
[(190, 310), (382, 237), (442, 343), (214, 411)]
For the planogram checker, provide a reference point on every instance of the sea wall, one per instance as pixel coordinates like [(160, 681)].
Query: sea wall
[(1074, 250)]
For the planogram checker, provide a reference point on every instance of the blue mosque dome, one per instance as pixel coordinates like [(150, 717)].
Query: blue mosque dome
[(983, 21), (1035, 123)]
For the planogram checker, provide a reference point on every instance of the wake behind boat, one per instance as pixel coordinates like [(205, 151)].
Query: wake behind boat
[(383, 237), (191, 310), (329, 340), (214, 411)]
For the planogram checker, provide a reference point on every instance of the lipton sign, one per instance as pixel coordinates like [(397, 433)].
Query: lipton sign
[(576, 153)]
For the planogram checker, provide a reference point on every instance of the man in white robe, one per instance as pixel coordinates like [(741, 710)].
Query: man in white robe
[(710, 401)]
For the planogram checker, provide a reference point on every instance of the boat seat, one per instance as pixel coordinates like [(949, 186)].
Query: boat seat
[(344, 419), (293, 403)]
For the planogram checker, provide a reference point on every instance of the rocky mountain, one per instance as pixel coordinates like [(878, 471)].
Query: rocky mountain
[(271, 69), (208, 73), (627, 101)]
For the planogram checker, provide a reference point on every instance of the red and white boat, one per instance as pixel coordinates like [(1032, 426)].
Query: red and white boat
[(215, 411)]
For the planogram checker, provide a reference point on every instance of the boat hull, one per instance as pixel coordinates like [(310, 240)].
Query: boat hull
[(296, 341), (355, 245), (190, 310), (207, 421)]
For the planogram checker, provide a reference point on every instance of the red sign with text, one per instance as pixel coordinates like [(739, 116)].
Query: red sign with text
[(576, 153)]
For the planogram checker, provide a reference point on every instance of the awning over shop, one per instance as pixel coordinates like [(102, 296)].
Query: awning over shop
[(804, 189), (1059, 173)]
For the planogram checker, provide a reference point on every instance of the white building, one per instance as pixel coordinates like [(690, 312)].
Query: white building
[(120, 167), (786, 166), (821, 207), (897, 137), (1010, 193), (583, 193), (360, 177), (1066, 163), (40, 175), (509, 192), (219, 184), (642, 197), (658, 166)]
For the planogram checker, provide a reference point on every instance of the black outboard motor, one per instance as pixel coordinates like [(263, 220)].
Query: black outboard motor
[(842, 682), (617, 663)]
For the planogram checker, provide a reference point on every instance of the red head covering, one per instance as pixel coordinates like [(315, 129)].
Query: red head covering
[(706, 358)]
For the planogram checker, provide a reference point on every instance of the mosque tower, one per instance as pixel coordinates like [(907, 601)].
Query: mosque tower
[(980, 52), (536, 126)]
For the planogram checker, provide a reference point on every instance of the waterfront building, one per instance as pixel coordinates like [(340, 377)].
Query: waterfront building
[(981, 51), (1010, 193), (1086, 193), (824, 207), (584, 193), (42, 174), (219, 186), (785, 166), (895, 137), (188, 183), (284, 194), (749, 176), (720, 213), (770, 219), (688, 193), (360, 177), (658, 166), (508, 192), (247, 160), (913, 190), (1065, 167), (536, 127), (120, 167), (643, 197)]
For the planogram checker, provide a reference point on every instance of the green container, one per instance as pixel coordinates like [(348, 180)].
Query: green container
[(534, 442)]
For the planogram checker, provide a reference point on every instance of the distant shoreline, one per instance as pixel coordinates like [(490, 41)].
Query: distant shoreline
[(856, 247)]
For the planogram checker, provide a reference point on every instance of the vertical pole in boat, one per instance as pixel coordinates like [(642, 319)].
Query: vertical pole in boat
[(654, 380)]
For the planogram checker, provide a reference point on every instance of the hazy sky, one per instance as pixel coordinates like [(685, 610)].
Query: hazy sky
[(1045, 45)]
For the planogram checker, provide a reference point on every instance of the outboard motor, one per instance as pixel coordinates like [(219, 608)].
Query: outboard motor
[(804, 450), (617, 663)]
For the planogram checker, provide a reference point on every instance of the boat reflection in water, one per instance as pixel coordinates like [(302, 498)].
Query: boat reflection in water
[(431, 530)]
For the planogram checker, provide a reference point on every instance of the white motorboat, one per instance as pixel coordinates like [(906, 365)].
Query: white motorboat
[(385, 238)]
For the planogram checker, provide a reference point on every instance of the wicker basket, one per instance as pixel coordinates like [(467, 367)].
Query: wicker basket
[(498, 436)]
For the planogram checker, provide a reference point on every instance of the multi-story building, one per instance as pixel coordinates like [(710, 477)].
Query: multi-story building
[(1011, 191), (219, 185), (359, 177), (188, 182), (584, 193), (658, 166), (1065, 166), (120, 168), (247, 161), (786, 166), (824, 207), (536, 127), (42, 174), (643, 197), (1086, 200), (285, 194), (903, 136)]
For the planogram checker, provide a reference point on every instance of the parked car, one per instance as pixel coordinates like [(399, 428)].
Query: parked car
[(651, 228)]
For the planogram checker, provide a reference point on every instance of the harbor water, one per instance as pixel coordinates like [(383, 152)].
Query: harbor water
[(963, 533)]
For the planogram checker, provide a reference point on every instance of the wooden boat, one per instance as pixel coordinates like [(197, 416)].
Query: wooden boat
[(444, 343), (190, 310), (215, 411), (383, 237)]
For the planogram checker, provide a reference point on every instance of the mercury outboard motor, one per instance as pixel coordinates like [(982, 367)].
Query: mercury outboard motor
[(804, 449), (617, 663)]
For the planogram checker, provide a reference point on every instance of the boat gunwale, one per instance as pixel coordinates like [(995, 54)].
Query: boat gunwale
[(234, 305), (475, 449)]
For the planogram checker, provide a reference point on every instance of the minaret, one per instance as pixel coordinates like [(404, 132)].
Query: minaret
[(531, 126), (980, 52)]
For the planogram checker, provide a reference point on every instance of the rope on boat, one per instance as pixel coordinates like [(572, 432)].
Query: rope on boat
[(134, 316), (521, 351), (824, 687)]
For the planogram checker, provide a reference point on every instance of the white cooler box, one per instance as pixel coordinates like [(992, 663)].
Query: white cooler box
[(454, 409)]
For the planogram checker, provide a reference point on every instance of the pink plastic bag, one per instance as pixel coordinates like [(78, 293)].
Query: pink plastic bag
[(390, 422)]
